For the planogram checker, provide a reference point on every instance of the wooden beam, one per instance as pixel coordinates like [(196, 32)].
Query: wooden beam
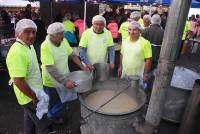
[(190, 122)]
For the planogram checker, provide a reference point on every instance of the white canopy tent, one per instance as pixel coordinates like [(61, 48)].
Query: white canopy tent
[(193, 11), (18, 3)]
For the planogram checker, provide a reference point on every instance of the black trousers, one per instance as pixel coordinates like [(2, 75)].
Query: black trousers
[(32, 125), (180, 49)]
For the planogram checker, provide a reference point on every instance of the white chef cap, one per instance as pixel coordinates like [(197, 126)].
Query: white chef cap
[(147, 17), (99, 18), (135, 15), (24, 24), (55, 28), (155, 19), (134, 24)]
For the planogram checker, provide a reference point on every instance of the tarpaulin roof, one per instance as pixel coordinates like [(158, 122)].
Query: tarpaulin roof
[(195, 3)]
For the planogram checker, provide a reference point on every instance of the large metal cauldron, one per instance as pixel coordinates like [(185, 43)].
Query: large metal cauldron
[(110, 123)]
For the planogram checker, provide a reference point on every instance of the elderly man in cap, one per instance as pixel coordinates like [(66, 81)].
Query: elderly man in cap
[(134, 16), (154, 34), (55, 52), (96, 43), (25, 73), (136, 54), (146, 21)]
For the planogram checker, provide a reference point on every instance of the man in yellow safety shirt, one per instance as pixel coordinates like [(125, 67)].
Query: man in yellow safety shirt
[(55, 52), (25, 73), (134, 16), (187, 28), (96, 43), (68, 24), (69, 30), (136, 54)]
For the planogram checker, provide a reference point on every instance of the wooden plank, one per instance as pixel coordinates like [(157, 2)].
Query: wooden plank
[(190, 121)]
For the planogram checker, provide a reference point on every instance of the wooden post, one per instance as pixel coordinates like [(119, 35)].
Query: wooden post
[(171, 44), (191, 120)]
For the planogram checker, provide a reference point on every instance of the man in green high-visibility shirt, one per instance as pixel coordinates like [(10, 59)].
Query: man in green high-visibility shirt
[(187, 28), (136, 54), (55, 53), (96, 44), (134, 16), (69, 30), (24, 71)]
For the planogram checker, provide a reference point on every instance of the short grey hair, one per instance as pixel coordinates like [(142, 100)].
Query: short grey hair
[(99, 18), (155, 19), (135, 15)]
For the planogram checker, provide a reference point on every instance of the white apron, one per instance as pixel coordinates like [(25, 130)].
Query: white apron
[(61, 63)]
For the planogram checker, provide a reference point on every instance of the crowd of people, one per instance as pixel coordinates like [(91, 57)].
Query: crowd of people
[(140, 36)]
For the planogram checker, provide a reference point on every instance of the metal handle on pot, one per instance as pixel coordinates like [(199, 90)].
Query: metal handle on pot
[(134, 80)]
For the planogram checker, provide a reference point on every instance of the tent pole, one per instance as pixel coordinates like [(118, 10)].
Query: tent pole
[(150, 11), (85, 13), (51, 10)]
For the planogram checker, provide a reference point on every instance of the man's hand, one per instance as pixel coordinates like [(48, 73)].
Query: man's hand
[(85, 68), (77, 61), (119, 71), (35, 100), (24, 87), (91, 67), (112, 66), (145, 77), (70, 84), (147, 68)]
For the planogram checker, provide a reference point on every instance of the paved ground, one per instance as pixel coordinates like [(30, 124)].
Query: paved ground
[(11, 114)]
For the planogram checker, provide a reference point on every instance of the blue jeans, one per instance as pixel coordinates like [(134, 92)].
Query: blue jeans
[(55, 105)]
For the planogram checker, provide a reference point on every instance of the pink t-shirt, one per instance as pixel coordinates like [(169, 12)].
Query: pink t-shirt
[(79, 23), (113, 28), (194, 24)]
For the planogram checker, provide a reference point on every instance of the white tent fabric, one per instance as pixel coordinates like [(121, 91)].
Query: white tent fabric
[(17, 3)]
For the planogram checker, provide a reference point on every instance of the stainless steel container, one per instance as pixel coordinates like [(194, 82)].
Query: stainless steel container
[(111, 123), (83, 79), (102, 71)]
